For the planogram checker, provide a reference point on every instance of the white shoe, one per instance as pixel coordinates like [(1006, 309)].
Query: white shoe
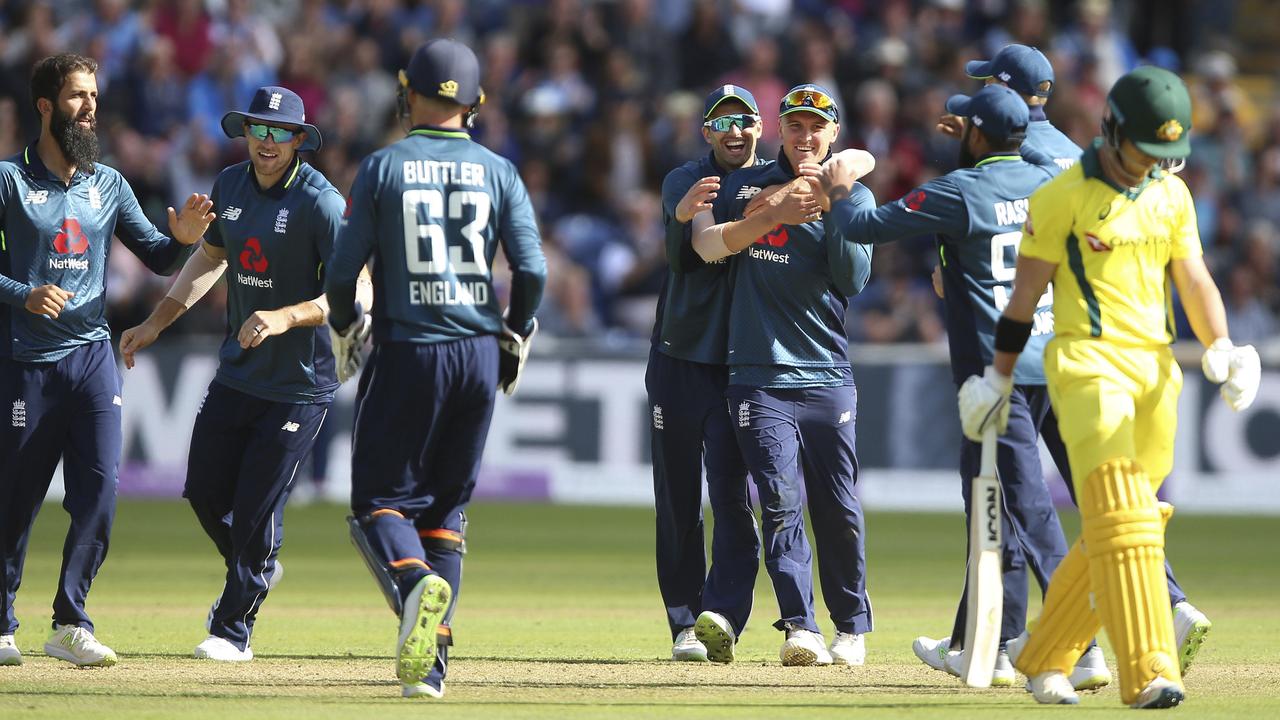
[(1090, 672), (1053, 688), (78, 646), (1160, 693), (848, 649), (688, 648), (276, 575), (9, 653), (421, 689), (804, 648), (1189, 627), (1001, 676), (933, 652), (716, 634), (221, 649)]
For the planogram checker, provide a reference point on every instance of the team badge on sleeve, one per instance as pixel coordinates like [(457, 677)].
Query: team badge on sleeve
[(914, 200)]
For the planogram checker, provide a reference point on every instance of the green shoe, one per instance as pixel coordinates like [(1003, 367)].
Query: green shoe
[(716, 634), (1190, 626), (423, 610)]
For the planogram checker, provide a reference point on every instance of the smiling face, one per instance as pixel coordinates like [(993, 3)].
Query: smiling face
[(807, 136), (736, 147), (270, 159)]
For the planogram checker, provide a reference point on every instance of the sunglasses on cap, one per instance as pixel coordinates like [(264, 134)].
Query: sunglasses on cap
[(725, 122), (278, 134), (809, 99)]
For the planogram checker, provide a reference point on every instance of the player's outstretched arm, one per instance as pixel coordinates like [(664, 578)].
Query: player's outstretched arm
[(796, 206), (1237, 368)]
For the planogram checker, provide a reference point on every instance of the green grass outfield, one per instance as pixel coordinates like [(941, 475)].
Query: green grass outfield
[(560, 617)]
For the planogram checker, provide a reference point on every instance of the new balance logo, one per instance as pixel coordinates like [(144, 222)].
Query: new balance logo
[(657, 417), (231, 213), (115, 400), (36, 197), (290, 427), (844, 417), (19, 413), (746, 192)]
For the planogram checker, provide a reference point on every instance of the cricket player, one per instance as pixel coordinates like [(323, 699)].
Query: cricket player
[(430, 209), (685, 380), (277, 221), (1113, 233), (791, 393), (977, 212), (59, 383)]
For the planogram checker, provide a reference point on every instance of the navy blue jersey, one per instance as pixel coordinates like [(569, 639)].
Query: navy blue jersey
[(57, 234), (277, 240), (1050, 142), (977, 214), (693, 308), (431, 209), (790, 291)]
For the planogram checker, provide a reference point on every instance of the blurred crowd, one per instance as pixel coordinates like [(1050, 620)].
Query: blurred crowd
[(595, 100)]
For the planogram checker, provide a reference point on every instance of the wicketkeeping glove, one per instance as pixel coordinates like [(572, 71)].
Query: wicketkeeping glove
[(984, 400), (347, 345), (1237, 368), (513, 351)]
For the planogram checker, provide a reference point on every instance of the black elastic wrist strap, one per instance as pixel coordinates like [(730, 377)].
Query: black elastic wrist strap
[(1011, 335)]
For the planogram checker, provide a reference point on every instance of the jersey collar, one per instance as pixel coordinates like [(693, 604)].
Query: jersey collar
[(35, 167), (1092, 168), (282, 185), (995, 158), (441, 132)]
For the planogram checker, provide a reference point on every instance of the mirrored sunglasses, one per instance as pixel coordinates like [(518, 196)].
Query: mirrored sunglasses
[(725, 122), (808, 98), (278, 134)]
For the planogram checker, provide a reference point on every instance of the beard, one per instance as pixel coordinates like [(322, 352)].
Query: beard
[(966, 159), (78, 146)]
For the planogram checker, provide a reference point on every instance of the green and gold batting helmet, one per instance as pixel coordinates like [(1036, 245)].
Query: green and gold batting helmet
[(1151, 108)]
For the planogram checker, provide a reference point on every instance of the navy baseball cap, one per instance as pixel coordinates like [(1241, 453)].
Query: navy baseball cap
[(1021, 67), (729, 92), (809, 98), (998, 111), (278, 105), (445, 69)]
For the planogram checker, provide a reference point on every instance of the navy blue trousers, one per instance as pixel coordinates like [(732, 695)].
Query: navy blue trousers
[(422, 418), (69, 410), (689, 427), (1033, 541), (243, 461), (791, 437)]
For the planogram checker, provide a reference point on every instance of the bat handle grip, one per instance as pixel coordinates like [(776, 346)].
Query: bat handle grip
[(990, 444)]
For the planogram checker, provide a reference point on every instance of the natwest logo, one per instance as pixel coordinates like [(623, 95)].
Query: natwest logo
[(70, 238), (251, 258), (777, 237)]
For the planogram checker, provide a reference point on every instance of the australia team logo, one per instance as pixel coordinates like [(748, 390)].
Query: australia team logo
[(70, 239), (251, 258)]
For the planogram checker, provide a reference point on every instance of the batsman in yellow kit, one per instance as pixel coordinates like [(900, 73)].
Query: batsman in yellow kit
[(1114, 234)]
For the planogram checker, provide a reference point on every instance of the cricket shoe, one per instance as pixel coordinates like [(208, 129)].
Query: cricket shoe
[(221, 649), (716, 635), (933, 652), (78, 646), (688, 648), (1190, 626), (1001, 676), (424, 608), (1053, 688), (422, 689), (1091, 672), (9, 653), (1160, 693), (804, 648), (276, 575), (848, 649)]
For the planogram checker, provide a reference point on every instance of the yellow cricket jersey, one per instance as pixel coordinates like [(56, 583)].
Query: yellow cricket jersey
[(1113, 249)]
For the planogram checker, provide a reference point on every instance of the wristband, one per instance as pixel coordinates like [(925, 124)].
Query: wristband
[(1011, 335)]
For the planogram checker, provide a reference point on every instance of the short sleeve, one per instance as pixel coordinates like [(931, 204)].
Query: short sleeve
[(1185, 232), (1048, 225)]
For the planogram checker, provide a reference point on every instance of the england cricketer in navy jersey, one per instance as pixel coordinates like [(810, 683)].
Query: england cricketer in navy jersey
[(59, 384), (685, 380), (277, 221), (791, 393), (430, 210)]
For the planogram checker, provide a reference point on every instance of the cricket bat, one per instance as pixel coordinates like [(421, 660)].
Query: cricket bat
[(986, 592)]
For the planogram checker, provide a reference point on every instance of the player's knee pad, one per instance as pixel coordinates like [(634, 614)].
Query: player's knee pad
[(1067, 622), (443, 540), (1123, 531)]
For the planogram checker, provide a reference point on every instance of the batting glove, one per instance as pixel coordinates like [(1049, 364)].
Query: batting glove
[(347, 345), (983, 401), (513, 352), (1237, 368)]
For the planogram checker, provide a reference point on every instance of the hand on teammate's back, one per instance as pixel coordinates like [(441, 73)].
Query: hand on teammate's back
[(189, 224), (48, 300), (697, 199)]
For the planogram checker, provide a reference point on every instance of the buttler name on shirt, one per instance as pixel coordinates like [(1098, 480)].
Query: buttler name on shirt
[(443, 172)]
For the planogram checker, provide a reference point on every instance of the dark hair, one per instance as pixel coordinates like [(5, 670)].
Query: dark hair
[(49, 75)]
